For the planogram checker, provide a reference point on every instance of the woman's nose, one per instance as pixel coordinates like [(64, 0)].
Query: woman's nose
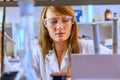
[(59, 25)]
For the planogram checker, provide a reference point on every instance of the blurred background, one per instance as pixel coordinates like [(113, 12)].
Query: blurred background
[(85, 14)]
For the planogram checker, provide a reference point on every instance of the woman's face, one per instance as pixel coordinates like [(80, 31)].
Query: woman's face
[(58, 26)]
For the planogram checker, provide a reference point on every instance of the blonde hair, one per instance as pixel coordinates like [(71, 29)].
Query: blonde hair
[(44, 39)]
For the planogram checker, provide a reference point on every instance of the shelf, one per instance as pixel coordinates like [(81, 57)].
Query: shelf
[(13, 3)]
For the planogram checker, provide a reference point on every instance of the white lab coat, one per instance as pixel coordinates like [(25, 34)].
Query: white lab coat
[(43, 70)]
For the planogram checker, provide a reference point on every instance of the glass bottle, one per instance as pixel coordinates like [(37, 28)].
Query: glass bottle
[(59, 76)]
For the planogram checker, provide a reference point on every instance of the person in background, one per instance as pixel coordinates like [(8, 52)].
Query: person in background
[(58, 39)]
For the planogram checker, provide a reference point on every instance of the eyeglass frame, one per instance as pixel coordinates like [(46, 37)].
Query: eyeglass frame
[(72, 21)]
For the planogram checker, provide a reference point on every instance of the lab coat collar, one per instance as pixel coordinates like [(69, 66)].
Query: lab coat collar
[(53, 63)]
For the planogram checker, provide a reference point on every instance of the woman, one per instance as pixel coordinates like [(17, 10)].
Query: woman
[(58, 38)]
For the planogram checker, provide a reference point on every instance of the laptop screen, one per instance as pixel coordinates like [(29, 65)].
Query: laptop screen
[(95, 67)]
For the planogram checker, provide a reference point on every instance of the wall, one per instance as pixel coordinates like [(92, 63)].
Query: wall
[(13, 14)]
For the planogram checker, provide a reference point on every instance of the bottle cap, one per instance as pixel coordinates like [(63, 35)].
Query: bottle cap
[(59, 76)]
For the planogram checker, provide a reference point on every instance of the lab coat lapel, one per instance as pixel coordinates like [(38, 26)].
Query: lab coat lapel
[(65, 61), (52, 61)]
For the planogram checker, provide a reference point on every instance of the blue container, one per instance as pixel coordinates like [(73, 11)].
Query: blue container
[(63, 77)]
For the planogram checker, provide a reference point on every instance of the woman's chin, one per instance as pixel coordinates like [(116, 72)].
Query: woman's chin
[(60, 40)]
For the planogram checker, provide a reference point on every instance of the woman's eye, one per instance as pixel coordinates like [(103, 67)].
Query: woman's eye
[(53, 21), (66, 20)]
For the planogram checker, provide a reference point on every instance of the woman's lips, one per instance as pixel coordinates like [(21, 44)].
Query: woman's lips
[(59, 34)]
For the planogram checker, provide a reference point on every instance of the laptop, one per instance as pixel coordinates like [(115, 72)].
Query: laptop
[(95, 67)]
